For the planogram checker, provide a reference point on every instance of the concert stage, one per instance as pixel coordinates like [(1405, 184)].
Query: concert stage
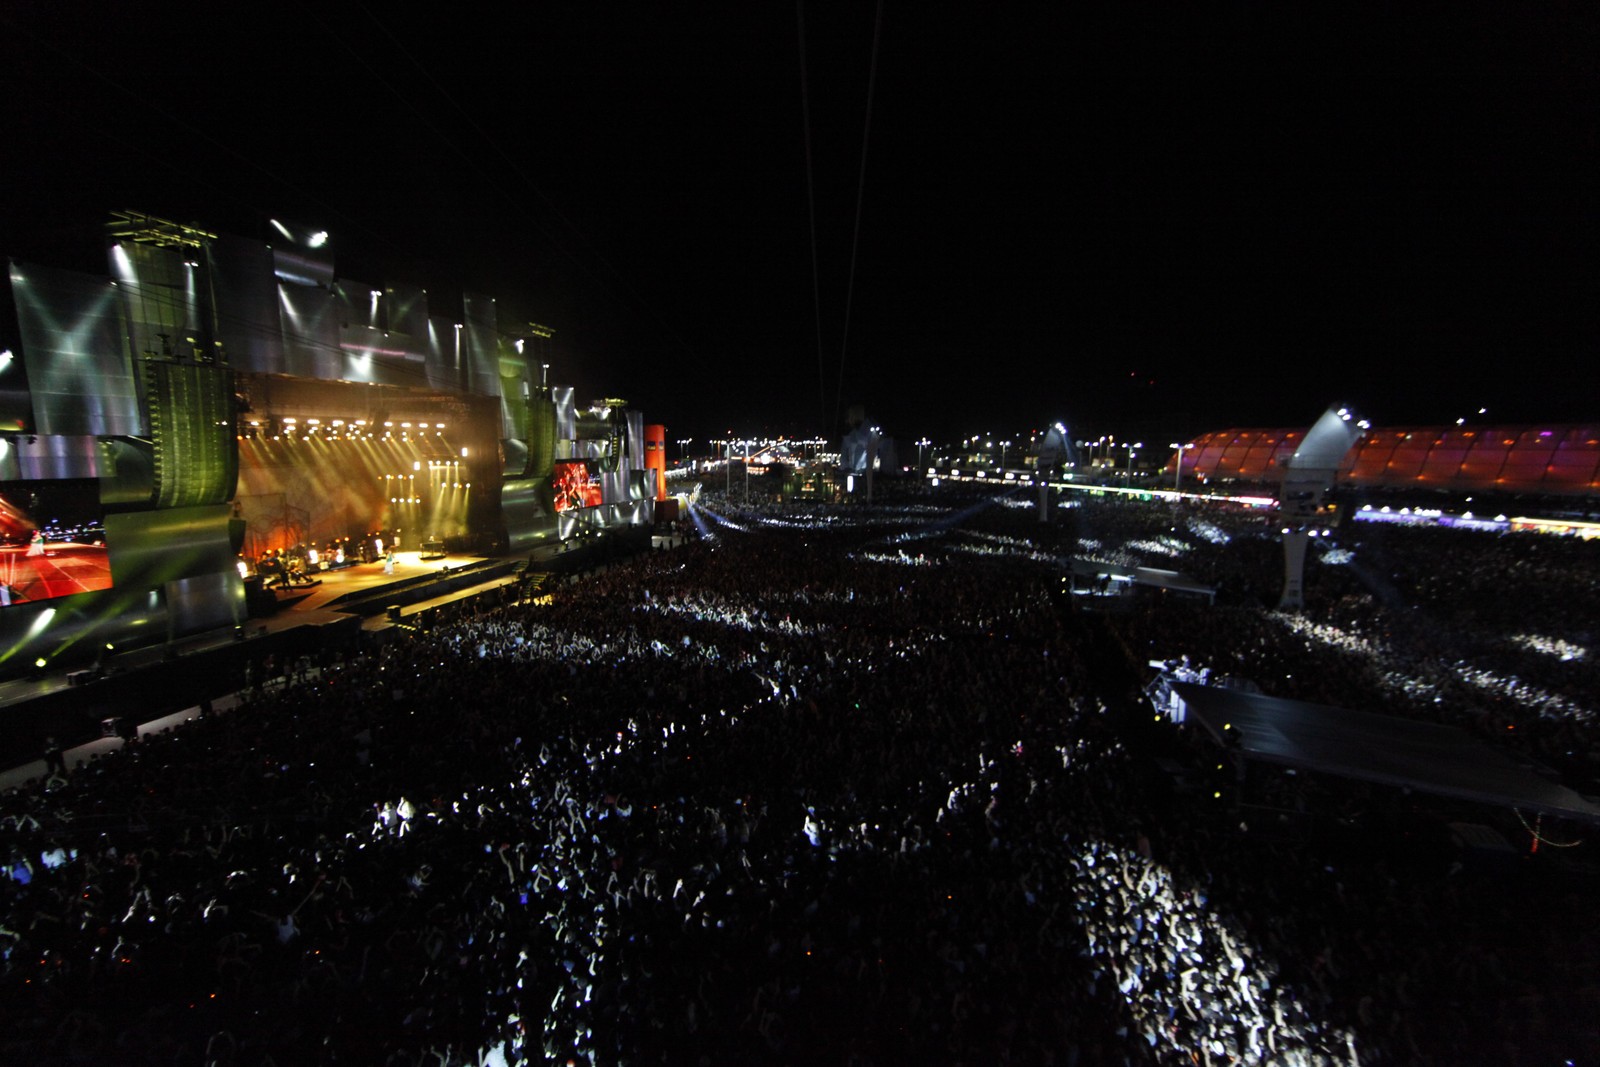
[(214, 403), (348, 607), (360, 583)]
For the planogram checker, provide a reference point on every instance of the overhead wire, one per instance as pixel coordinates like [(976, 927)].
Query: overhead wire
[(145, 100), (310, 197), (632, 292), (861, 189), (460, 153), (811, 203)]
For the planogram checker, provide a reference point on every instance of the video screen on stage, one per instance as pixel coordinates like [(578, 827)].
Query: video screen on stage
[(575, 486), (52, 540)]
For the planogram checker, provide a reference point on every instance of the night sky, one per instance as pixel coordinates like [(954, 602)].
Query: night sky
[(1148, 219)]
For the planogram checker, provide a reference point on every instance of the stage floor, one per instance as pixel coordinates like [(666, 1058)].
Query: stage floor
[(301, 606), (362, 577), (323, 603)]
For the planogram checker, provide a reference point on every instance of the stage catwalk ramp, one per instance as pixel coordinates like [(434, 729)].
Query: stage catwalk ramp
[(1425, 757), (369, 594)]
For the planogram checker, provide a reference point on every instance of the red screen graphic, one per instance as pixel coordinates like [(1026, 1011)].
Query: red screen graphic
[(574, 486), (52, 541)]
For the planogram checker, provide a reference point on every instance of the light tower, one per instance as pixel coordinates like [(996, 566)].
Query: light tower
[(1307, 478), (1052, 450), (1179, 448)]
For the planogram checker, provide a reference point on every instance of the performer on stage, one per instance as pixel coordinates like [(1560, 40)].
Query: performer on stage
[(36, 546)]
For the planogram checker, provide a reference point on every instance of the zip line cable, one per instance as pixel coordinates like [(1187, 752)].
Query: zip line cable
[(631, 292), (143, 100), (811, 203), (355, 224), (459, 152), (861, 189), (488, 180)]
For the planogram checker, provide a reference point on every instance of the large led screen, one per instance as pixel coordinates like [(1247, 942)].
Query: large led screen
[(575, 487), (52, 540)]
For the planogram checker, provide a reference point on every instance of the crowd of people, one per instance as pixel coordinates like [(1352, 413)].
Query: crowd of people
[(851, 785)]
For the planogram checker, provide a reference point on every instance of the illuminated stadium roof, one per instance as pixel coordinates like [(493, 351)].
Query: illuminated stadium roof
[(1560, 459)]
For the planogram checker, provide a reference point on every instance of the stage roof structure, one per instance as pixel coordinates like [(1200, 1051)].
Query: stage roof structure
[(1425, 757)]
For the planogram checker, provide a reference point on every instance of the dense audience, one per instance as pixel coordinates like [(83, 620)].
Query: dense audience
[(853, 785)]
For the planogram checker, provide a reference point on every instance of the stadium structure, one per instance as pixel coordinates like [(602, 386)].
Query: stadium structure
[(1549, 460)]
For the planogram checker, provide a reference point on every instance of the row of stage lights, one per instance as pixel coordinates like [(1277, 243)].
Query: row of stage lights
[(335, 429), (410, 479)]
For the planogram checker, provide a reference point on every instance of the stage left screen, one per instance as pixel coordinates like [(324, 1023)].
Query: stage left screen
[(52, 540), (575, 486)]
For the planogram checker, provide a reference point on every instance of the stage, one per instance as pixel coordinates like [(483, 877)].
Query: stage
[(348, 607), (359, 581)]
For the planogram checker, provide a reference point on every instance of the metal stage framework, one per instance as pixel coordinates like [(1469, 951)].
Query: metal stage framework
[(214, 399)]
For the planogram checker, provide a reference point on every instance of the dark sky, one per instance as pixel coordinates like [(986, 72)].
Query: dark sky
[(1149, 219)]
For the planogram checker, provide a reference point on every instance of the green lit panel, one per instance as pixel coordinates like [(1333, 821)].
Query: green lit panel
[(528, 507), (192, 427), (160, 290), (148, 549), (514, 408), (541, 438)]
